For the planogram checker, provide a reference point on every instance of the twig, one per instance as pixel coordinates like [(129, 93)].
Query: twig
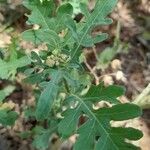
[(95, 53), (92, 72)]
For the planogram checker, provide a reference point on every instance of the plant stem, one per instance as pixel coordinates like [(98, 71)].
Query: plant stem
[(143, 99), (66, 86), (92, 72)]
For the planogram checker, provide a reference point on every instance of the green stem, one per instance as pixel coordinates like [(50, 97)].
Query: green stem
[(143, 99)]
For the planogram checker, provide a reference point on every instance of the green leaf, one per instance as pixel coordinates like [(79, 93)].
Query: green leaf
[(120, 112), (68, 125), (76, 5), (98, 124), (34, 78), (41, 141), (9, 68), (6, 92), (87, 139), (129, 133), (49, 37), (40, 12), (49, 27), (42, 137), (110, 93), (48, 96), (76, 80), (97, 17), (105, 58), (7, 118), (65, 9)]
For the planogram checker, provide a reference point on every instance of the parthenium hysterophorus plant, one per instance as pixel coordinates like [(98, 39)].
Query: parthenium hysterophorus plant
[(65, 93)]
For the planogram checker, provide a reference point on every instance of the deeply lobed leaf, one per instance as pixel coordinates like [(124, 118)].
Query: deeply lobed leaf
[(98, 124), (48, 96), (8, 68)]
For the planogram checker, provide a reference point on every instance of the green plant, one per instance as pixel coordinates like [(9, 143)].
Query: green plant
[(76, 5), (65, 95), (10, 61), (7, 116), (105, 57), (143, 99)]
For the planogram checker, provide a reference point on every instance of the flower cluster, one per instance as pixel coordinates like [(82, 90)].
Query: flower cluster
[(57, 59)]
